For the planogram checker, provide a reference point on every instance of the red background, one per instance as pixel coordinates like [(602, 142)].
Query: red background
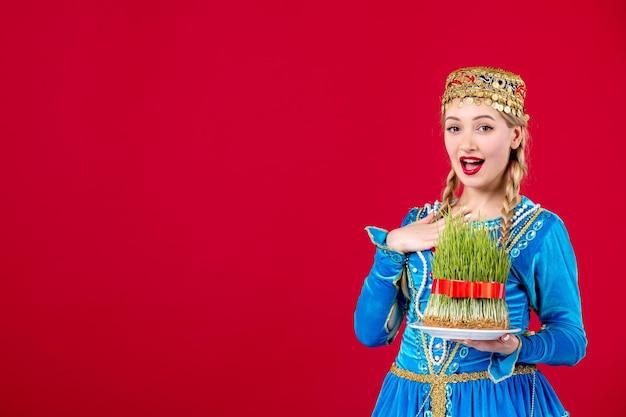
[(185, 186)]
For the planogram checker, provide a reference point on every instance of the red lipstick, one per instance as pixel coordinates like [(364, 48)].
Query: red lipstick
[(471, 165)]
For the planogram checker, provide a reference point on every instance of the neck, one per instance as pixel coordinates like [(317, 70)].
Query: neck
[(482, 206)]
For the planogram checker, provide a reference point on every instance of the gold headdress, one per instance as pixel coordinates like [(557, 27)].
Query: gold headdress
[(500, 89)]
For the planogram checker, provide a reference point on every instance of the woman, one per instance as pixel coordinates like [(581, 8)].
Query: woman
[(485, 136)]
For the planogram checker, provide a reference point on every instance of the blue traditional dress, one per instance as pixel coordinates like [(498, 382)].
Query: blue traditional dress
[(440, 378)]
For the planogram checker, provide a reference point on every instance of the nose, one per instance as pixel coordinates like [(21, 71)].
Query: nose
[(466, 141)]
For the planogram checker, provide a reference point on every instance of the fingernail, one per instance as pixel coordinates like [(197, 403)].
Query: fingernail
[(468, 215), (506, 337)]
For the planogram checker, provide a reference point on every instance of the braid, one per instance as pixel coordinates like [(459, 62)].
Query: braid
[(508, 206), (452, 184), (517, 171)]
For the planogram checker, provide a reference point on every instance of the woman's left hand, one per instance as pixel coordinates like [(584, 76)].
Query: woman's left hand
[(506, 344)]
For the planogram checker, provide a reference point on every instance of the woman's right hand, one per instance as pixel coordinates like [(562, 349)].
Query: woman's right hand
[(418, 236)]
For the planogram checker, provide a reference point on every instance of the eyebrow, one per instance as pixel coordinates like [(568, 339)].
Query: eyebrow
[(475, 118)]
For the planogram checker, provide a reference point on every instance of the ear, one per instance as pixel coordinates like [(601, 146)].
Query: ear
[(518, 134)]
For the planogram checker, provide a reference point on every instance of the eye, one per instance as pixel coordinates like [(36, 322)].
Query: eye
[(453, 129), (484, 128)]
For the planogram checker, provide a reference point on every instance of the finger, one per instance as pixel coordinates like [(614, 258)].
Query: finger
[(429, 217), (464, 212), (508, 340)]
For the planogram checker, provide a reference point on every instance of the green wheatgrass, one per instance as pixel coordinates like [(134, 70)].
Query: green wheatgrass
[(468, 251)]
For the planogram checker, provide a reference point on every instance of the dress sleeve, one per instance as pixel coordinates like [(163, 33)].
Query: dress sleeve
[(379, 309), (551, 281)]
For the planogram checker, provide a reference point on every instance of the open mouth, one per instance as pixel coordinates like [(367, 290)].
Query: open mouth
[(471, 165)]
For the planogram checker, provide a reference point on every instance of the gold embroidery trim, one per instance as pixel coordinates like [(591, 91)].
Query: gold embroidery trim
[(438, 382), (521, 233)]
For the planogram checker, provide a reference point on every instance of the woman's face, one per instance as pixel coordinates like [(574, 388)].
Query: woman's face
[(479, 143)]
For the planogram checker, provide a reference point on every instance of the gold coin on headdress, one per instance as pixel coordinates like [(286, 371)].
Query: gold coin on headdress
[(507, 109), (494, 97), (477, 102), (488, 102), (469, 100)]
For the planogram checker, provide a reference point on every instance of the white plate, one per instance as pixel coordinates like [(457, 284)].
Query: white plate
[(459, 334)]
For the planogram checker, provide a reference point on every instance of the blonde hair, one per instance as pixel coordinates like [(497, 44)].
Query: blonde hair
[(517, 170)]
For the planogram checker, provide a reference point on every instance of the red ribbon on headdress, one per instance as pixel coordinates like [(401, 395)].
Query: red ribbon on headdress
[(455, 288)]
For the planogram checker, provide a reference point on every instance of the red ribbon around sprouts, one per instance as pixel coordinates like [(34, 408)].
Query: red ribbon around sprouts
[(465, 289)]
